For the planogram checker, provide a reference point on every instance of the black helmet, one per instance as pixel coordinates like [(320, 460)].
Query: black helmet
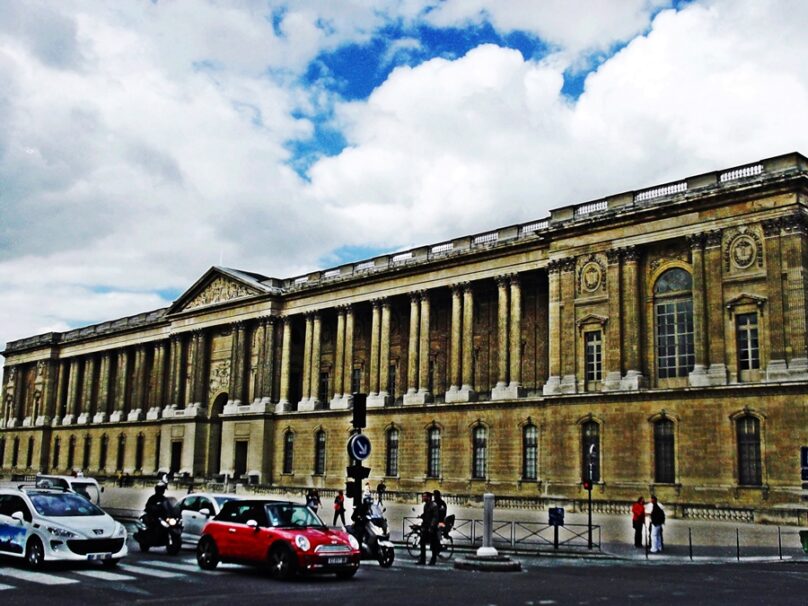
[(160, 488)]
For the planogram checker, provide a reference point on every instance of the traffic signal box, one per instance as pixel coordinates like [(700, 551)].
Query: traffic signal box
[(587, 484), (360, 409), (353, 487)]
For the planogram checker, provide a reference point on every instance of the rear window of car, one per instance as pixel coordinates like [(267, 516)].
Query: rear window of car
[(53, 505), (292, 515), (222, 500)]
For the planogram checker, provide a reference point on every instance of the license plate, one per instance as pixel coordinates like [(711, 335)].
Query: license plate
[(338, 560), (99, 556)]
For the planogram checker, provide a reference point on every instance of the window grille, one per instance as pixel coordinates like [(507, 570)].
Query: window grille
[(319, 455), (288, 452), (749, 469), (479, 453), (391, 466), (530, 449), (746, 327), (433, 458), (594, 355)]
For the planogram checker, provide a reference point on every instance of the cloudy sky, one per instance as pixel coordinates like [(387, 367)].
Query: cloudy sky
[(142, 142)]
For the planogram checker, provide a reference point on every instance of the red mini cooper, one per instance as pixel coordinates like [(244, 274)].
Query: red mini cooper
[(287, 536)]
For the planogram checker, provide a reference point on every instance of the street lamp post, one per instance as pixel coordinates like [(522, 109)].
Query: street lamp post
[(589, 489)]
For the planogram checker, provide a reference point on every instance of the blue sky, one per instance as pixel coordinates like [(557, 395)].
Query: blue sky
[(145, 142)]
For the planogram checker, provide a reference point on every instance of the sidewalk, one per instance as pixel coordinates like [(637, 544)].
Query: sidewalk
[(708, 541)]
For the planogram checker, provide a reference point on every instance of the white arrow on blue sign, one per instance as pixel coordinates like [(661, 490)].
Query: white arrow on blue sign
[(359, 447)]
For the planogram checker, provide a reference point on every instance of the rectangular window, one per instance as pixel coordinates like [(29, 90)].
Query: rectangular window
[(749, 468), (594, 355), (240, 464), (319, 454), (29, 461), (664, 452), (746, 330), (676, 354), (322, 391), (176, 456), (391, 468), (530, 453), (433, 459), (288, 452), (85, 459), (480, 452), (391, 380)]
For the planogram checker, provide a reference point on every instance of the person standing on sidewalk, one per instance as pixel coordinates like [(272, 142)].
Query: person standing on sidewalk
[(339, 508), (657, 521), (427, 517), (638, 520)]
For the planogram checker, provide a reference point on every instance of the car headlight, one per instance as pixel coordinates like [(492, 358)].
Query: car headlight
[(120, 531), (62, 532), (302, 542), (352, 540)]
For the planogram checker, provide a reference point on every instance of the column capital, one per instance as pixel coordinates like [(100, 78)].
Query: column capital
[(502, 280), (423, 295), (456, 288), (771, 227), (696, 241), (567, 264), (614, 256), (795, 223), (630, 254), (514, 279), (713, 238)]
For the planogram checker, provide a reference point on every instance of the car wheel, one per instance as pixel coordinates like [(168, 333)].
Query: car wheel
[(282, 563), (34, 553), (347, 574), (386, 556), (207, 556), (110, 563), (174, 545)]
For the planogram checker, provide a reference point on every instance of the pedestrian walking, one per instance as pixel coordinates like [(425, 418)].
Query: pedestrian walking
[(427, 531), (380, 490), (438, 524), (638, 520), (313, 499), (339, 508), (657, 521)]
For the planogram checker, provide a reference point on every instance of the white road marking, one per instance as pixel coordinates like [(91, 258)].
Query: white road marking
[(104, 575), (151, 572), (178, 566), (2, 587), (36, 577)]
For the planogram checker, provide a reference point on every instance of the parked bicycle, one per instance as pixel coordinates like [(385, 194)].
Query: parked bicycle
[(413, 540)]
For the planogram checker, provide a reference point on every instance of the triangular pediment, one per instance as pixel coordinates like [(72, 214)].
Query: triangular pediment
[(746, 299), (221, 285)]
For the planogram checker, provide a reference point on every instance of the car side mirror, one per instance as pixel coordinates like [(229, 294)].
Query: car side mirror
[(18, 515), (206, 512), (252, 524)]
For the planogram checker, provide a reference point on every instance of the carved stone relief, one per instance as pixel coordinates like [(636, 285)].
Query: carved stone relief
[(591, 275), (218, 291), (743, 250), (661, 256), (220, 376)]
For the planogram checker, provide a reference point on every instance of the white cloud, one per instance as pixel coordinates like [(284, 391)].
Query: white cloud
[(142, 142)]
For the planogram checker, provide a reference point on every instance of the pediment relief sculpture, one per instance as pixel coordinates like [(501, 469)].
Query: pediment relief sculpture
[(220, 290)]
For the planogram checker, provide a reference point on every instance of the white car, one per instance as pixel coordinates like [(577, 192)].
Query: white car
[(44, 525), (196, 509), (86, 487)]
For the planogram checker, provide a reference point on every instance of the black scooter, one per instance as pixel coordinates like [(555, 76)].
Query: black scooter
[(374, 541), (163, 529)]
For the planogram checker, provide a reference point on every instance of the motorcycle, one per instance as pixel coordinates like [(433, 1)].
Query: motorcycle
[(374, 541), (163, 529)]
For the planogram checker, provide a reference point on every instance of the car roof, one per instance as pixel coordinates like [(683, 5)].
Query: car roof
[(68, 478), (217, 495)]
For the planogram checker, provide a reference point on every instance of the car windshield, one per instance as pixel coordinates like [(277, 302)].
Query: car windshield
[(88, 490), (54, 505), (292, 515), (222, 500)]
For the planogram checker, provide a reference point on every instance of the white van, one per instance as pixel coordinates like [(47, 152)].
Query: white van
[(86, 487)]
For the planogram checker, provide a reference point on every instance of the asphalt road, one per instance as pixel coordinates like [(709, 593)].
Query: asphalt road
[(159, 578)]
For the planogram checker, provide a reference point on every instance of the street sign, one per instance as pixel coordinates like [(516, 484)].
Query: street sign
[(556, 516), (359, 447)]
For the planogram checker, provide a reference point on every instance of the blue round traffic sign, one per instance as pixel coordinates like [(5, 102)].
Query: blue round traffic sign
[(359, 447)]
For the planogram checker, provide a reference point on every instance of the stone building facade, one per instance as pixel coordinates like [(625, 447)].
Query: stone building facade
[(655, 340)]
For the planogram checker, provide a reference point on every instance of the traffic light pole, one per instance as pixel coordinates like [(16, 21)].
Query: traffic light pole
[(589, 490), (356, 451)]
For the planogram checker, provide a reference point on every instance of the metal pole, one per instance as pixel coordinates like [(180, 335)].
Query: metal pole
[(779, 543), (590, 515), (738, 544), (589, 490), (690, 542), (488, 549)]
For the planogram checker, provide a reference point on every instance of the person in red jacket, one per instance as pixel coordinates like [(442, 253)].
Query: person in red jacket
[(638, 520)]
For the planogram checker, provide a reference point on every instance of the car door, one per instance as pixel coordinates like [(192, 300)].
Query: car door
[(13, 533), (190, 519), (250, 541), (203, 512)]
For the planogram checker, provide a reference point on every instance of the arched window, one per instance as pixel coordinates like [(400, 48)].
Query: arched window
[(15, 452), (288, 451), (85, 459), (530, 452), (749, 468), (319, 453), (139, 445), (121, 451), (391, 455), (2, 451), (57, 443), (673, 305), (71, 452), (664, 467), (590, 455), (479, 453), (102, 452), (433, 453), (30, 456)]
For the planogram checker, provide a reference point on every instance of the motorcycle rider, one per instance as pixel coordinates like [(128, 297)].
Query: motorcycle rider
[(157, 506)]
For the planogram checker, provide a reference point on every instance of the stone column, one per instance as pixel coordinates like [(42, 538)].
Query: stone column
[(72, 393), (794, 249), (87, 404), (777, 369), (612, 359), (138, 386), (717, 371), (339, 361), (102, 404), (349, 343), (634, 379), (423, 350), (569, 382), (61, 393), (515, 339), (200, 379), (238, 365), (384, 351), (455, 379), (10, 397), (698, 376), (553, 384), (47, 373), (500, 391), (377, 394), (375, 328), (317, 328), (176, 375), (467, 387), (265, 374), (121, 386), (412, 351), (154, 403), (304, 403), (284, 405)]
